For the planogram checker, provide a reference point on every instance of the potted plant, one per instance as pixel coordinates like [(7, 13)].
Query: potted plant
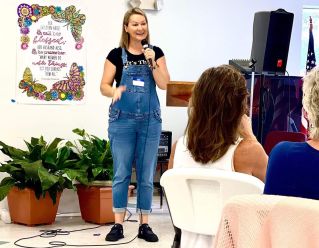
[(94, 172), (95, 159), (36, 179)]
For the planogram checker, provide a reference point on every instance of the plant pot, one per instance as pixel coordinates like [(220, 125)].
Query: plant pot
[(104, 183), (108, 183), (26, 209), (96, 203)]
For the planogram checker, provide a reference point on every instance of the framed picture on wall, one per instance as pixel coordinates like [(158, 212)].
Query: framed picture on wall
[(51, 53)]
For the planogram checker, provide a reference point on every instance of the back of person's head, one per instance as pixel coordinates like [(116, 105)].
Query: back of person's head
[(310, 100), (125, 37), (218, 101)]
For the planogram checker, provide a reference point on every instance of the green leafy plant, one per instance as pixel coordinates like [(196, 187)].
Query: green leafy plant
[(42, 167), (95, 159)]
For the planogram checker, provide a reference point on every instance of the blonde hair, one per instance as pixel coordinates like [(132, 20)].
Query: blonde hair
[(310, 100), (125, 37)]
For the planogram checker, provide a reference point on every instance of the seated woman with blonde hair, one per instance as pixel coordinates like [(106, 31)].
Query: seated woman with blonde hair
[(293, 166), (218, 133)]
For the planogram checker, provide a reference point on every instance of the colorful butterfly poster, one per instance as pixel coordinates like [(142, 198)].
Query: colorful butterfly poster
[(51, 53)]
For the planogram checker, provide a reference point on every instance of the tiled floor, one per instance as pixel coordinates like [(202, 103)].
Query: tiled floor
[(94, 235)]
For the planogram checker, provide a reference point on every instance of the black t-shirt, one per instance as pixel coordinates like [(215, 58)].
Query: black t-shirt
[(115, 57)]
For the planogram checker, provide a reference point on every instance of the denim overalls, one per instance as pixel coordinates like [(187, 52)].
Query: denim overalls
[(134, 132)]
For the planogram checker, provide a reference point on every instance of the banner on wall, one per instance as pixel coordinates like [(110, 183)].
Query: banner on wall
[(51, 54)]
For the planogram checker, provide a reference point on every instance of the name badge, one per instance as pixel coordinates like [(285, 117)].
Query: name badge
[(138, 82)]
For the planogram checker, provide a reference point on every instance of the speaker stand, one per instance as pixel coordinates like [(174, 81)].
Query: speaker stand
[(252, 85), (261, 110)]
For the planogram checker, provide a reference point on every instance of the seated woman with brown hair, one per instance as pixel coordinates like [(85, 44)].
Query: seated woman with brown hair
[(218, 133)]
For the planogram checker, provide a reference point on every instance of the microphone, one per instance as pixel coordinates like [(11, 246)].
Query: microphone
[(145, 46)]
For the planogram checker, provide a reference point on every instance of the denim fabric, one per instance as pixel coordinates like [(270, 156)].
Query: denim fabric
[(134, 131)]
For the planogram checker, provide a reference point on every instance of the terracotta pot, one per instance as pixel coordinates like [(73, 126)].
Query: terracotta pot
[(26, 209), (96, 203)]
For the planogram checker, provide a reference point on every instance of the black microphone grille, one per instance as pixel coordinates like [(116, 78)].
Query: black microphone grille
[(144, 42)]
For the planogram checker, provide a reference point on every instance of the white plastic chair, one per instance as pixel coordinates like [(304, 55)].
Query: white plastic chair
[(263, 221), (196, 196)]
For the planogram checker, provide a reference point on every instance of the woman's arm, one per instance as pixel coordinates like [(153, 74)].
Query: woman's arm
[(160, 73), (259, 170), (159, 68), (250, 157), (107, 81)]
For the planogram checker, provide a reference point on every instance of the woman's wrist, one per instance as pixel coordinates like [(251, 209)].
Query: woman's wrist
[(113, 91), (154, 66)]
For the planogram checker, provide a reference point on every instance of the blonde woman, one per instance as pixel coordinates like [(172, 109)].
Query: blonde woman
[(135, 122), (293, 166)]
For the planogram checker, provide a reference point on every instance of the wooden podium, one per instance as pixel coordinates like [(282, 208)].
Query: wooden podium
[(178, 93)]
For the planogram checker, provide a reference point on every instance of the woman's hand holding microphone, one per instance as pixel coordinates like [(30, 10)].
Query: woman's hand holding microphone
[(149, 56)]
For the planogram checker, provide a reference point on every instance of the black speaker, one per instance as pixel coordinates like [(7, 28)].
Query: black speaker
[(271, 38)]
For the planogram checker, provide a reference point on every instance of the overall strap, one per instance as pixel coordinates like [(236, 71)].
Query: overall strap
[(124, 56)]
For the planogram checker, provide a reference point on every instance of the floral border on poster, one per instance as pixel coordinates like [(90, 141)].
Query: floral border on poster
[(70, 88)]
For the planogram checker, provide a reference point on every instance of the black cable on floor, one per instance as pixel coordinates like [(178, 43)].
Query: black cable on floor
[(56, 232)]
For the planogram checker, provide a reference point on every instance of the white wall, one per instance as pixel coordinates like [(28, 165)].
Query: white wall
[(194, 35)]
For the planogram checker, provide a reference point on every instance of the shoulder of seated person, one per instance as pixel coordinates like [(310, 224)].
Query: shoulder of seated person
[(249, 146), (249, 141)]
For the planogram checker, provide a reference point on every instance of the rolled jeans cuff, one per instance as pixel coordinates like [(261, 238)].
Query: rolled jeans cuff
[(143, 211), (119, 210)]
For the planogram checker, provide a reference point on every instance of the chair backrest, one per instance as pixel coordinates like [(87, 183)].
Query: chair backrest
[(196, 196), (274, 137), (263, 221)]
